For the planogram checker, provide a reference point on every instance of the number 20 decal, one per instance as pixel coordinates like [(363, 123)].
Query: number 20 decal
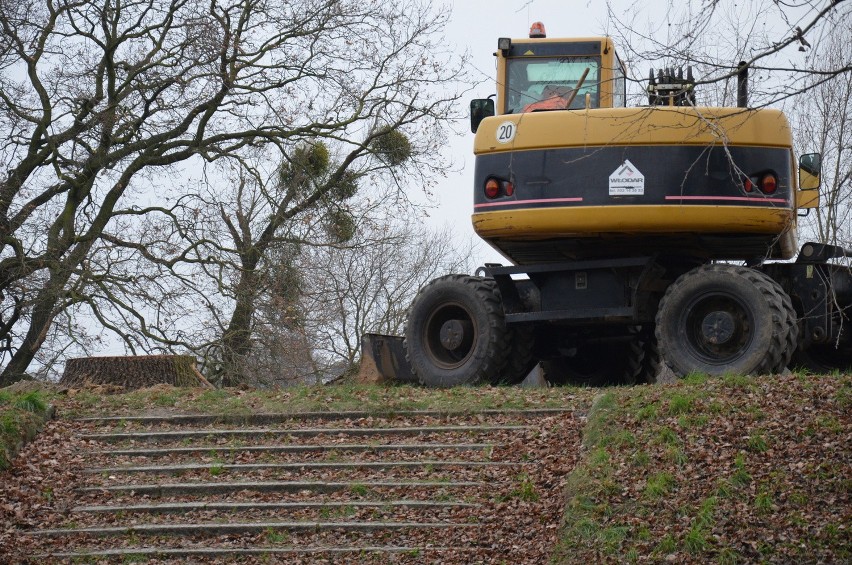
[(506, 132)]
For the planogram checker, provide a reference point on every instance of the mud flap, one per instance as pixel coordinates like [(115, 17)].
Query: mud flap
[(383, 360)]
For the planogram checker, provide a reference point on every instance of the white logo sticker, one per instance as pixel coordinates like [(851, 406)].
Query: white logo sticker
[(626, 180), (506, 132)]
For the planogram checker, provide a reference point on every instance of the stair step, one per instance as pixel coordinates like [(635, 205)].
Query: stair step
[(351, 447), (216, 528), (236, 552), (303, 432), (405, 486), (260, 506), (174, 469), (278, 418), (269, 486)]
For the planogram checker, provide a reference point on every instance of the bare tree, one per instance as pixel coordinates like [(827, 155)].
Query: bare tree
[(269, 222), (823, 123), (368, 285), (240, 246), (101, 100), (773, 38)]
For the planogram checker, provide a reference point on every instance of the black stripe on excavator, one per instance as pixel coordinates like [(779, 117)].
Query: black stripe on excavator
[(675, 175), (567, 49)]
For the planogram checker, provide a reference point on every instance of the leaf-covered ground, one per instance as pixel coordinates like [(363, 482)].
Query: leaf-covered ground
[(732, 470)]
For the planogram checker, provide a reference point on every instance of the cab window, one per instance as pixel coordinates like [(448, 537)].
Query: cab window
[(537, 79)]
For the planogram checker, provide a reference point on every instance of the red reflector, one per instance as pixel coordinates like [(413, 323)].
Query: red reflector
[(510, 189), (492, 188), (748, 185), (768, 184)]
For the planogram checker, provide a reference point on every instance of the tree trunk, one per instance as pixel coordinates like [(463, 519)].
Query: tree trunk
[(42, 317), (134, 372), (236, 343)]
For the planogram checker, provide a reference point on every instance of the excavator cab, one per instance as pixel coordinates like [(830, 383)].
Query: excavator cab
[(539, 74)]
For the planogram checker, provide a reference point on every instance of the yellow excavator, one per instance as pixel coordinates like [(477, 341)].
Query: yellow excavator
[(637, 236)]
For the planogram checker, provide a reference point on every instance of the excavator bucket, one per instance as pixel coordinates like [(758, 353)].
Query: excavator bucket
[(383, 360)]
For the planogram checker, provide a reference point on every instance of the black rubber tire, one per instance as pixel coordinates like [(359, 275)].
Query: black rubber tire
[(520, 361), (482, 351), (748, 304), (652, 362), (637, 355), (598, 362), (791, 326)]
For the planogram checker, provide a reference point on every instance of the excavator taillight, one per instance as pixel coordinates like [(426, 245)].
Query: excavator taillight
[(492, 188), (768, 184)]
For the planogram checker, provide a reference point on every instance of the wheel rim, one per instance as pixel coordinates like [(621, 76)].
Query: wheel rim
[(719, 327), (450, 336)]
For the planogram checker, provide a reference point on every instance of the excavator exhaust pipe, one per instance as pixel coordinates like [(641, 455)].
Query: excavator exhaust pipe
[(742, 85)]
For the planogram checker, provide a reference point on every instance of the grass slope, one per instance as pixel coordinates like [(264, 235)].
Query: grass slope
[(361, 398), (732, 470), (22, 414)]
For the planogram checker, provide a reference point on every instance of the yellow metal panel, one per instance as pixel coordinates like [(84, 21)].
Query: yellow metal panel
[(659, 125), (605, 41), (808, 181), (533, 223), (807, 199)]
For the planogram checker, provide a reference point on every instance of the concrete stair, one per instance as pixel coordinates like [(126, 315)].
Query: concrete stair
[(319, 487)]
